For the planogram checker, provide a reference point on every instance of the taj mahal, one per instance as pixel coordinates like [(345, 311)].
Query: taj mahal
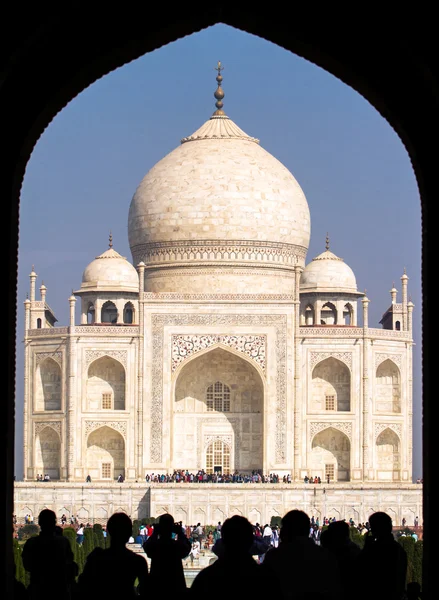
[(218, 346)]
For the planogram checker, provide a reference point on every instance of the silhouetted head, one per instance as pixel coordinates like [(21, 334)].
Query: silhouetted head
[(338, 533), (120, 528), (380, 524), (47, 520), (166, 525), (295, 523), (413, 590), (237, 535)]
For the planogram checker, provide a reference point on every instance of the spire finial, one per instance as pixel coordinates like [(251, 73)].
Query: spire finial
[(219, 94), (110, 244), (327, 241)]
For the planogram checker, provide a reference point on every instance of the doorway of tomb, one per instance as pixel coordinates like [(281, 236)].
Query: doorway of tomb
[(218, 414)]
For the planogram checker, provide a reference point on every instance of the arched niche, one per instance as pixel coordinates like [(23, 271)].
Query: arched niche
[(330, 454), (348, 314), (48, 453), (218, 457), (106, 385), (194, 421), (48, 385), (330, 386), (109, 313), (128, 313), (328, 314), (388, 455), (388, 388), (309, 315), (105, 455), (91, 313)]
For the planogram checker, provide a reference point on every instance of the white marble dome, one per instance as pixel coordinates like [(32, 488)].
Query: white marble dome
[(218, 198), (328, 273), (219, 184), (110, 272)]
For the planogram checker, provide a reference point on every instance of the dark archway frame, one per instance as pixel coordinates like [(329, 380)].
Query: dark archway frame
[(48, 58)]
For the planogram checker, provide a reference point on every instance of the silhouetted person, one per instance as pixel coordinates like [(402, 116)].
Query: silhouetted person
[(337, 540), (166, 548), (112, 573), (413, 591), (235, 567), (382, 563), (49, 559), (303, 569)]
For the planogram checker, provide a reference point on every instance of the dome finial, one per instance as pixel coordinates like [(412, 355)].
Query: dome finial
[(327, 241), (110, 242), (219, 94)]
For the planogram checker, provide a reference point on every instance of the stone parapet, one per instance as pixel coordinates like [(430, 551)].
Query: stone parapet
[(209, 503)]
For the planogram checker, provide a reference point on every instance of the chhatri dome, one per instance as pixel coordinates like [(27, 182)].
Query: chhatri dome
[(328, 273), (110, 272), (222, 211)]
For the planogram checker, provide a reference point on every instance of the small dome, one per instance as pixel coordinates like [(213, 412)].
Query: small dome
[(110, 272), (328, 273)]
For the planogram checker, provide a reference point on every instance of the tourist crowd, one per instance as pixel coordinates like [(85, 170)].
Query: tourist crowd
[(290, 564), (186, 476)]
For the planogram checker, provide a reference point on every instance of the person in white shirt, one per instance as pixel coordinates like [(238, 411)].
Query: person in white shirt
[(195, 551), (267, 535)]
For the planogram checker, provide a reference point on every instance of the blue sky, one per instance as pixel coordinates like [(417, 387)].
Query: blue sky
[(351, 165)]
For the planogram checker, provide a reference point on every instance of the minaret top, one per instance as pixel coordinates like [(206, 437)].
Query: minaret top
[(327, 241), (110, 240), (219, 93)]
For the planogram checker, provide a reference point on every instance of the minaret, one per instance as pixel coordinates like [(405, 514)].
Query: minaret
[(72, 302), (393, 293), (410, 307), (33, 278), (43, 291), (27, 304), (365, 300), (404, 280), (296, 412), (365, 424), (140, 359)]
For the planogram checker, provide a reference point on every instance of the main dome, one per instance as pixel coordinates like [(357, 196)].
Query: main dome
[(221, 203)]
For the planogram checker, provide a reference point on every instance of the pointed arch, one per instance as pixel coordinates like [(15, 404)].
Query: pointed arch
[(330, 453), (218, 378), (330, 386), (105, 454), (48, 452), (91, 313), (109, 313), (218, 457), (48, 385), (328, 314), (129, 313), (309, 315), (106, 384), (348, 314), (220, 346), (388, 387), (388, 455)]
